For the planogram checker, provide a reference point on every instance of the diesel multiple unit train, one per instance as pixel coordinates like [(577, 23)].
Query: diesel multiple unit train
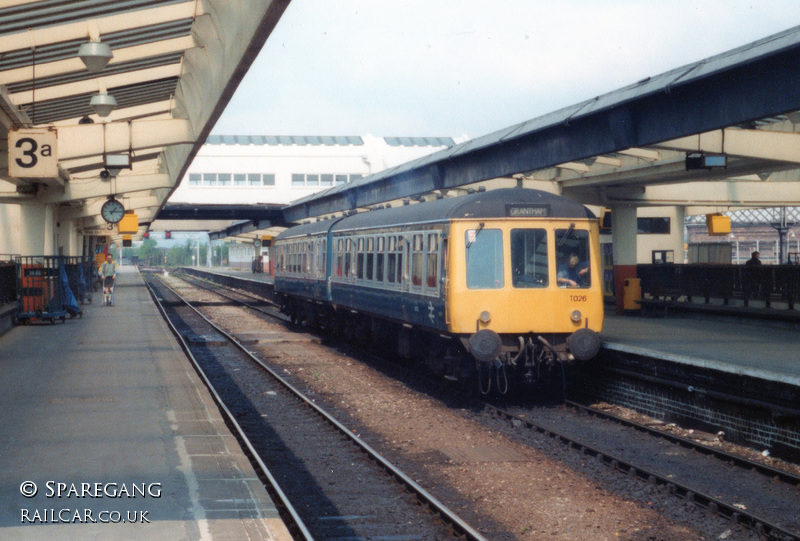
[(502, 284)]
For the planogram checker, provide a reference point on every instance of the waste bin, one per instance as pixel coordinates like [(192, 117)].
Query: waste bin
[(632, 294)]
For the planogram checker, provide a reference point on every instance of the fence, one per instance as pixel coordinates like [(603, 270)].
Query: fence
[(8, 279), (51, 287), (769, 283)]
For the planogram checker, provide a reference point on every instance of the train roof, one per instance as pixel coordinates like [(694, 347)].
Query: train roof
[(502, 203)]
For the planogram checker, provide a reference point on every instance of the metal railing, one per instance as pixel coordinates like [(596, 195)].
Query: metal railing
[(8, 279), (769, 283)]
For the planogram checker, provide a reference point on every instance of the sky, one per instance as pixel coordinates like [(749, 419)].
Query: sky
[(465, 68)]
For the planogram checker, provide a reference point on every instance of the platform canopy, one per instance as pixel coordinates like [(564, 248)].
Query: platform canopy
[(172, 67), (710, 136)]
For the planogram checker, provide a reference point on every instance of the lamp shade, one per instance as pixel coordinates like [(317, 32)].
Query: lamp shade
[(95, 55), (103, 104)]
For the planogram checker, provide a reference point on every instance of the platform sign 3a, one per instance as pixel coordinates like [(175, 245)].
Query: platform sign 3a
[(32, 153)]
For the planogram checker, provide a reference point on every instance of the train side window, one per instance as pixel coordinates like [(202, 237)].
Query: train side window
[(379, 258), (324, 257), (391, 261), (348, 257), (370, 257), (431, 265), (572, 257), (529, 258), (339, 256), (403, 249), (416, 260), (360, 259), (484, 250)]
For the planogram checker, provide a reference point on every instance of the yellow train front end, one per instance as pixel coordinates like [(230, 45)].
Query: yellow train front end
[(525, 291)]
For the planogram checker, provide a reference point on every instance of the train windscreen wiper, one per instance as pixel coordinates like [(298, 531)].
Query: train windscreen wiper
[(475, 236), (566, 235)]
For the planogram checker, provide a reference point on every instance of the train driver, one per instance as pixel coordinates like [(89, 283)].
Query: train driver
[(573, 273)]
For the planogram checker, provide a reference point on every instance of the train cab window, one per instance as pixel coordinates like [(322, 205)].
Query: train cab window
[(572, 258), (529, 258), (379, 258), (484, 248)]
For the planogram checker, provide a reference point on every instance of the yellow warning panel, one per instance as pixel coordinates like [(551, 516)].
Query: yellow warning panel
[(129, 224), (718, 224)]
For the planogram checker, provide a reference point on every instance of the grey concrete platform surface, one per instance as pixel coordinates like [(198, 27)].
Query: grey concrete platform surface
[(740, 348), (106, 421), (244, 275)]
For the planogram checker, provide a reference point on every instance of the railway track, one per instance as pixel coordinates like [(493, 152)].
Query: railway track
[(732, 487), (769, 525), (330, 482)]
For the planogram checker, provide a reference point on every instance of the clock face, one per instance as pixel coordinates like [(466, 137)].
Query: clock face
[(112, 211)]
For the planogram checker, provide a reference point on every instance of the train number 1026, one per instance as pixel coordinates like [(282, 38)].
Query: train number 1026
[(577, 298)]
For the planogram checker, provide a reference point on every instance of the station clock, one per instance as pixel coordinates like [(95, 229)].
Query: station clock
[(112, 211)]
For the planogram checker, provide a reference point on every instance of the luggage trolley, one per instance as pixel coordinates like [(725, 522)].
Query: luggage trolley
[(39, 289), (80, 272)]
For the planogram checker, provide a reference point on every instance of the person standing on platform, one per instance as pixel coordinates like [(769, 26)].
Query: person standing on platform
[(108, 274), (750, 280), (754, 259)]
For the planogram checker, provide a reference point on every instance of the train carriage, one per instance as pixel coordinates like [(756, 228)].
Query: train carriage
[(503, 280)]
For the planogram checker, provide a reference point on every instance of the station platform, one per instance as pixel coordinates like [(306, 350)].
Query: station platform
[(244, 275), (107, 432), (739, 348)]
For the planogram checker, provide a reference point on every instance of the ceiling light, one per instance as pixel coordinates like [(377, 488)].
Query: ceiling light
[(95, 55), (114, 163), (103, 104)]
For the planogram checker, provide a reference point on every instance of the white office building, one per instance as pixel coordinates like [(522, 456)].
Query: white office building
[(248, 169)]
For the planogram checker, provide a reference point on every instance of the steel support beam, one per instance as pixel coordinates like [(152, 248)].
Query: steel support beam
[(705, 96)]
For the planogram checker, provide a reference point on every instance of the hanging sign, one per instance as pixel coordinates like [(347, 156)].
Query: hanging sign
[(32, 153)]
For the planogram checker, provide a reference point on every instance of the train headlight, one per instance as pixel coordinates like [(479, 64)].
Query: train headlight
[(575, 316), (486, 317)]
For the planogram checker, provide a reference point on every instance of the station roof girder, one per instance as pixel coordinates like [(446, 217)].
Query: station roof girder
[(720, 195), (176, 65)]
